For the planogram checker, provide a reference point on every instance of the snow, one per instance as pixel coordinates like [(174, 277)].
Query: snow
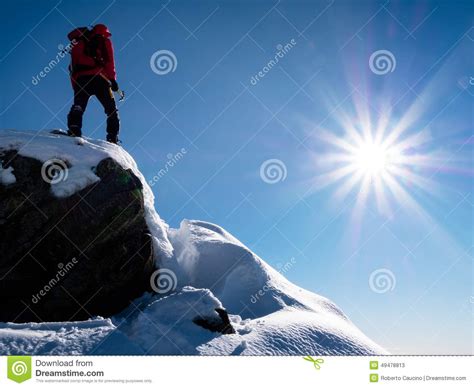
[(166, 325), (271, 315), (209, 257), (81, 156), (291, 332), (6, 176), (72, 338)]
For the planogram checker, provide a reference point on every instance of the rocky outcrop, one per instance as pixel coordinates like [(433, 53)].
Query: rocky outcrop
[(220, 325), (71, 258)]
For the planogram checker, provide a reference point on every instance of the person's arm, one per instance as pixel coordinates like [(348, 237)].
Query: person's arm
[(109, 67)]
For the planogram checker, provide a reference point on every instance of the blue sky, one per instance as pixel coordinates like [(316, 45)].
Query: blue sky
[(230, 126)]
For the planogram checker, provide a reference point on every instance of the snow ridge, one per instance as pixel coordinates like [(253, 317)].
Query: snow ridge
[(271, 315)]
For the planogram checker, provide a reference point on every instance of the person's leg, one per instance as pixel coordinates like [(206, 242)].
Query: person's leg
[(106, 97), (74, 118)]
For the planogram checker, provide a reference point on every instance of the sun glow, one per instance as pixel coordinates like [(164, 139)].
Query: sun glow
[(372, 159), (381, 163)]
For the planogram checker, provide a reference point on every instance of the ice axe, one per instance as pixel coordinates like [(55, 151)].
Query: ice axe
[(121, 94)]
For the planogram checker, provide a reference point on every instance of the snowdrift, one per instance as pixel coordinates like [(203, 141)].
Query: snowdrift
[(270, 315)]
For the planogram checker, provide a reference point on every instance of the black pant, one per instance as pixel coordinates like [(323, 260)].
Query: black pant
[(87, 86)]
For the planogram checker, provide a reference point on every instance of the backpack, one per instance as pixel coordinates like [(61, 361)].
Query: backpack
[(88, 50)]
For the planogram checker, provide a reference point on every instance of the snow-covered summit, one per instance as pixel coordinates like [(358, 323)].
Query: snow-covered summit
[(81, 156), (271, 314), (213, 270)]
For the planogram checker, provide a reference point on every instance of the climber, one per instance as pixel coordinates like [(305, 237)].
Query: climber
[(92, 71)]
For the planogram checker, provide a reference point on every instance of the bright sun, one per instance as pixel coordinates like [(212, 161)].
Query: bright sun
[(374, 161)]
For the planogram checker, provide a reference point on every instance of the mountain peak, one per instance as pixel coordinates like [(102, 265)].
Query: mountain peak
[(214, 280)]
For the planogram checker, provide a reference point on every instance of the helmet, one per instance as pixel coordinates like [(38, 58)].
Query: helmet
[(101, 29)]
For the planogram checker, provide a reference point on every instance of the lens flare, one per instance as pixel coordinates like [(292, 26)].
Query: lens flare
[(372, 159), (383, 163)]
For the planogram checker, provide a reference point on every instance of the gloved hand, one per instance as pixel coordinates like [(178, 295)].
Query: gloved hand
[(114, 85)]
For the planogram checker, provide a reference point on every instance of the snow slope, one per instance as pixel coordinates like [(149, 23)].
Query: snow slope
[(213, 269), (271, 314)]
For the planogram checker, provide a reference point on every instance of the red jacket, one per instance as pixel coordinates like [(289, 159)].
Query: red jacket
[(83, 64)]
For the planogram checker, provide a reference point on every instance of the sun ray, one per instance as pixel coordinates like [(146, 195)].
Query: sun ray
[(337, 157), (378, 161), (336, 141), (383, 205), (348, 185), (334, 176), (413, 141), (402, 197), (416, 179), (363, 114), (361, 201), (382, 124)]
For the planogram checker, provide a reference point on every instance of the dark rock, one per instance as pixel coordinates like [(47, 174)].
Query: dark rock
[(218, 325), (76, 257)]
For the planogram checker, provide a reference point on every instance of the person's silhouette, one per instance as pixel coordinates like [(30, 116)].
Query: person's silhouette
[(92, 72)]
